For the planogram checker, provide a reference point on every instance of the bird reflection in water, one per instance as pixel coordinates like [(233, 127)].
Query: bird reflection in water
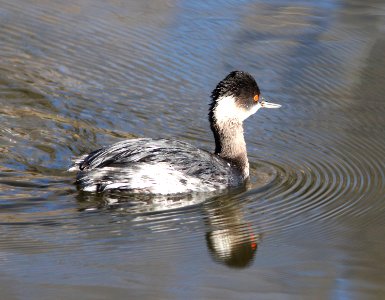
[(230, 237)]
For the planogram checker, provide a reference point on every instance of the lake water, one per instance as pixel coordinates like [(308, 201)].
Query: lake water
[(78, 75)]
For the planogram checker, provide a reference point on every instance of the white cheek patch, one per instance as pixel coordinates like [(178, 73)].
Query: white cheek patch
[(227, 109), (254, 109)]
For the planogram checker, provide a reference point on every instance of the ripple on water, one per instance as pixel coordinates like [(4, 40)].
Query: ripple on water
[(320, 182), (317, 183), (63, 93)]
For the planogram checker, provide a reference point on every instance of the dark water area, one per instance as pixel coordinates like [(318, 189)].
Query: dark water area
[(78, 75)]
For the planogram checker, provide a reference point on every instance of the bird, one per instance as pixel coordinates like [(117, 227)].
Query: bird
[(167, 166)]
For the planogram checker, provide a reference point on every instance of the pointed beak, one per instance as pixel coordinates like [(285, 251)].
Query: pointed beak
[(266, 104)]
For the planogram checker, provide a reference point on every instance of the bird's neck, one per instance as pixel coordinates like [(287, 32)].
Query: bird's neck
[(230, 143)]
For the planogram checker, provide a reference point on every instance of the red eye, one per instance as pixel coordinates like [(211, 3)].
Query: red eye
[(256, 98)]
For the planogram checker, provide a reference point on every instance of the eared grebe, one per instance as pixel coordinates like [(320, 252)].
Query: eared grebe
[(168, 167)]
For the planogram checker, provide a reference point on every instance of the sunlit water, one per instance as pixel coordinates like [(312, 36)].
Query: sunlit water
[(78, 75)]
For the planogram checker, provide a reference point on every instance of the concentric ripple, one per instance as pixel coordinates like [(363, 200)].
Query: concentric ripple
[(321, 182)]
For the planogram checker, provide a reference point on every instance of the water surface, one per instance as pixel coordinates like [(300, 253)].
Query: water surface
[(75, 76)]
